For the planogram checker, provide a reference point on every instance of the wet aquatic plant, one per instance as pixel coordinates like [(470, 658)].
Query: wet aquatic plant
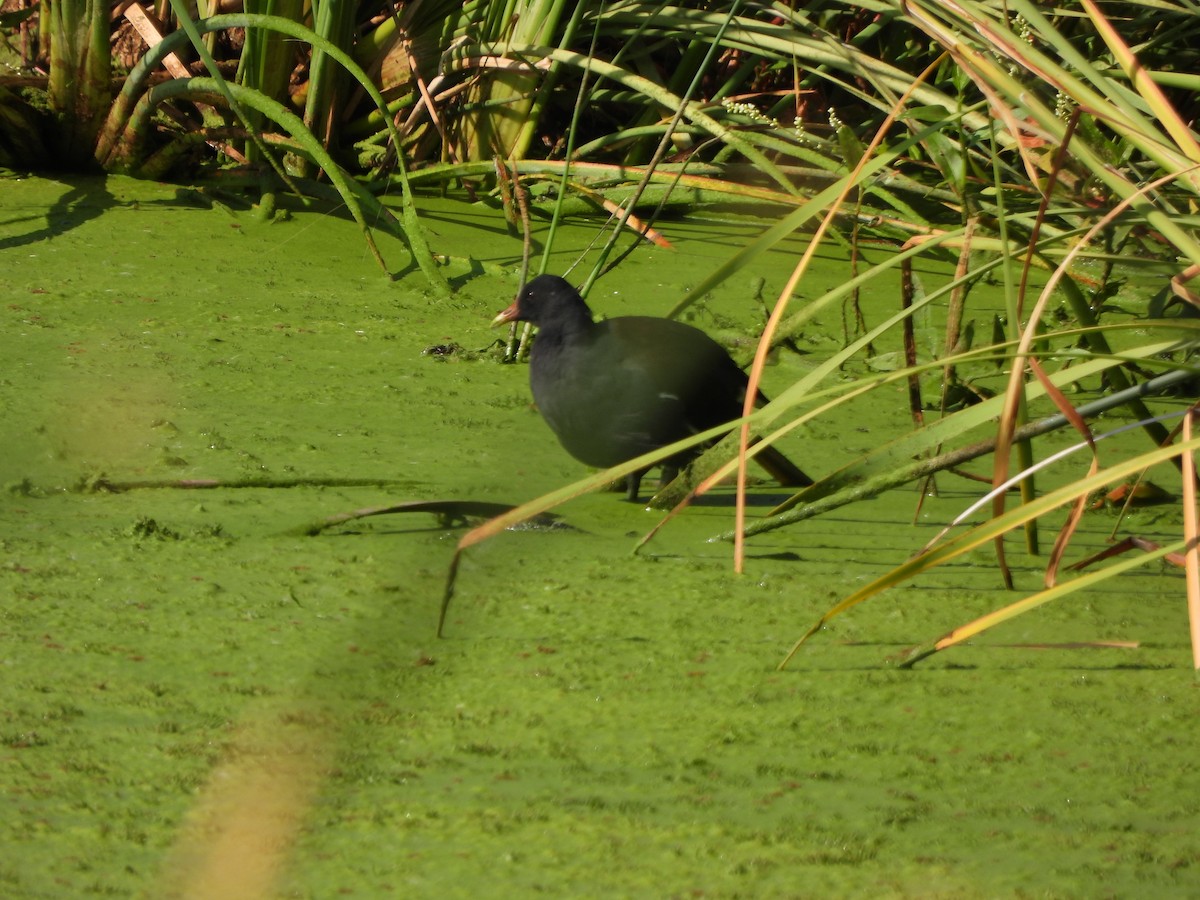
[(1044, 141)]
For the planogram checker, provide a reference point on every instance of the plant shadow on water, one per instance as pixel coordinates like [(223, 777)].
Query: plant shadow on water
[(594, 722), (80, 202)]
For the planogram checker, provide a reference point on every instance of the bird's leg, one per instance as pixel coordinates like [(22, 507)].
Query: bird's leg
[(633, 481)]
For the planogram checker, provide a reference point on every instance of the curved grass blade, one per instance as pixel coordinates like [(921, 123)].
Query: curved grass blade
[(1191, 535), (351, 191), (965, 632), (117, 129), (183, 16), (991, 529)]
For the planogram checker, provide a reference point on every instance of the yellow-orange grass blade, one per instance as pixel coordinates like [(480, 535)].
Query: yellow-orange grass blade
[(1163, 111), (1076, 514), (632, 222), (964, 632), (1191, 557), (236, 840), (991, 529), (865, 163)]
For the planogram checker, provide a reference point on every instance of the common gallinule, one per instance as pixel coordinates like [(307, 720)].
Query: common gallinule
[(616, 389)]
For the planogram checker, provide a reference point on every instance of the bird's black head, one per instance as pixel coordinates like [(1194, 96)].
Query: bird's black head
[(544, 300)]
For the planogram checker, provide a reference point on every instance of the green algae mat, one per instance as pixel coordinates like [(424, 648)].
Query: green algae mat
[(198, 698)]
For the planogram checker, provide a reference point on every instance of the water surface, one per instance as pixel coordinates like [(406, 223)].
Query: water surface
[(200, 700)]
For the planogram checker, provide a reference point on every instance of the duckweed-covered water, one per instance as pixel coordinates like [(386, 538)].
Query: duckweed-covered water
[(199, 700)]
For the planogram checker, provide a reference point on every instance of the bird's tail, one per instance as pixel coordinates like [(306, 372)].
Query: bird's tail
[(776, 464), (781, 468)]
